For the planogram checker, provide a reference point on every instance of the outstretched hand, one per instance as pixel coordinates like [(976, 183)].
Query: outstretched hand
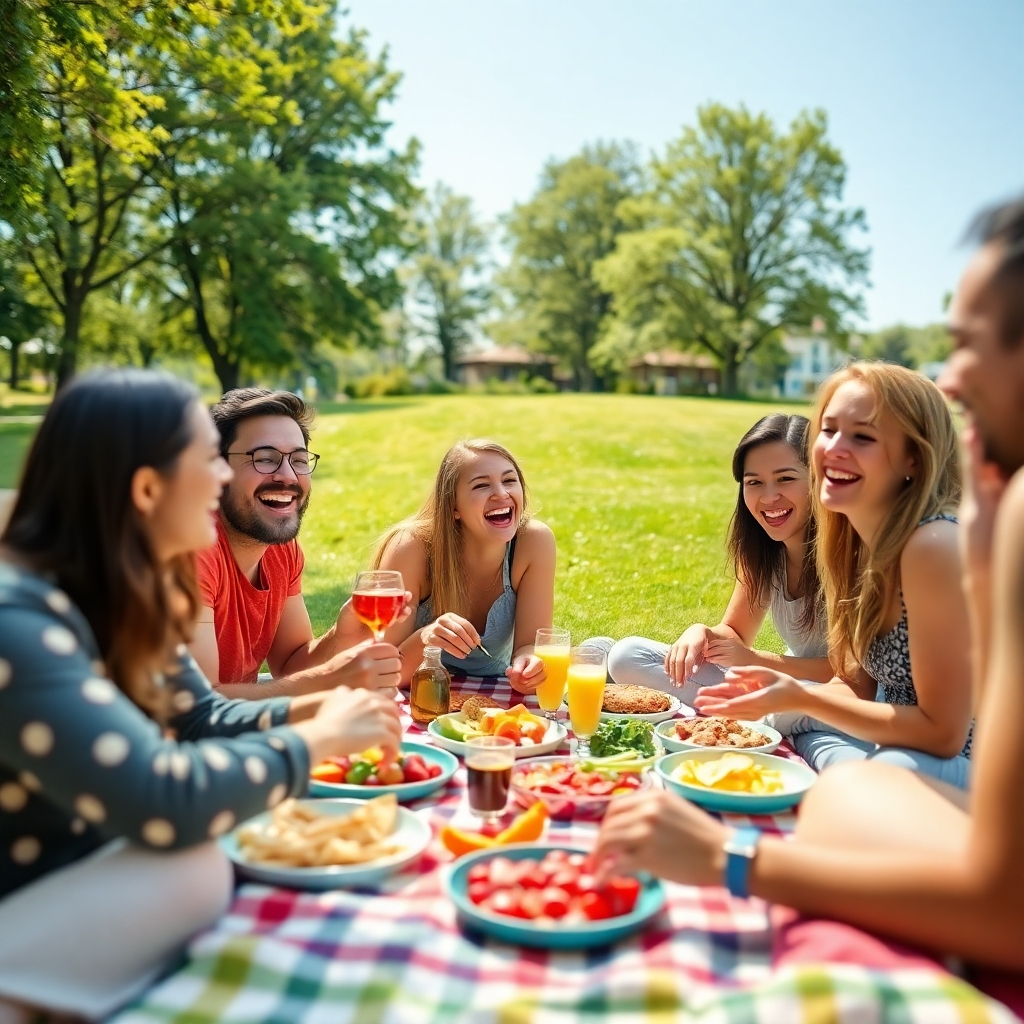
[(750, 692)]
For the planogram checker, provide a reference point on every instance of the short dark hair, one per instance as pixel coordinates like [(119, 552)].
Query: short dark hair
[(1004, 225), (245, 403)]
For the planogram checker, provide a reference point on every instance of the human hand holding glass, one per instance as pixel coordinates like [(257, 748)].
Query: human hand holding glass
[(552, 647), (585, 684), (378, 599)]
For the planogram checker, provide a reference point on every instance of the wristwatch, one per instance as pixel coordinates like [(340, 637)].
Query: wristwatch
[(740, 848)]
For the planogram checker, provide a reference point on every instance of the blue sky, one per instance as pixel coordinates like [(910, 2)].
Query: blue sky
[(925, 100)]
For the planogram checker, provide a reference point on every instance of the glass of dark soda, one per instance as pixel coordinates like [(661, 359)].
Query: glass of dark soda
[(489, 761)]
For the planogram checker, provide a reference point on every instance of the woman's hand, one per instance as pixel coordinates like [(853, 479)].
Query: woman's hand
[(750, 692), (660, 832), (727, 652), (452, 633), (350, 721), (686, 654), (526, 673)]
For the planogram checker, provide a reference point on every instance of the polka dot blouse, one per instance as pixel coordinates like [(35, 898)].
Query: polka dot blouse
[(80, 764)]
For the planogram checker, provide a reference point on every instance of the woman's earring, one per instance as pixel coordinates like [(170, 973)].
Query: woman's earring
[(908, 479)]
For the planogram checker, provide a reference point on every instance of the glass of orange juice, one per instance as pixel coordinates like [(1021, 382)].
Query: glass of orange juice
[(585, 683), (552, 647)]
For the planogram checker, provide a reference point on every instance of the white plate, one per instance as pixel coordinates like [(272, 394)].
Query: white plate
[(675, 707), (667, 734), (553, 739), (411, 833)]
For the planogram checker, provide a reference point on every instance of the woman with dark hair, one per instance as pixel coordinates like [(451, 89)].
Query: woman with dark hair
[(119, 765), (771, 545)]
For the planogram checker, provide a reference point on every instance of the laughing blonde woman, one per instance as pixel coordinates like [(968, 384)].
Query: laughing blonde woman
[(481, 570), (885, 480)]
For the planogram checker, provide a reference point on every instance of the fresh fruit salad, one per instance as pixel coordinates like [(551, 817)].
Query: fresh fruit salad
[(373, 768), (558, 888), (518, 724), (566, 778)]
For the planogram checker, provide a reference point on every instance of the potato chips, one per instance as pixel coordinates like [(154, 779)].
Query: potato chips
[(733, 773), (299, 837)]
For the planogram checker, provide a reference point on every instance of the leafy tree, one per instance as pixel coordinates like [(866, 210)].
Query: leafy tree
[(892, 345), (741, 235), (21, 319), (284, 230), (111, 88), (447, 273), (908, 346), (556, 238)]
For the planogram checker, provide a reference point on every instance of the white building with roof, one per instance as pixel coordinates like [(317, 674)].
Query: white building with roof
[(812, 360)]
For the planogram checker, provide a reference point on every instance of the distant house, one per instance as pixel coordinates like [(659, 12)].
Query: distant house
[(676, 373), (812, 359), (502, 363)]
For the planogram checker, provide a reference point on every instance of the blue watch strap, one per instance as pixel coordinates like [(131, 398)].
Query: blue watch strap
[(740, 848)]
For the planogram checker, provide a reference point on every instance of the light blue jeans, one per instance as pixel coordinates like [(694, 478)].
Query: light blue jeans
[(638, 660)]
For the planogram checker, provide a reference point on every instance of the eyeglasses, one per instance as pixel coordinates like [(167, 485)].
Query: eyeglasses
[(268, 460)]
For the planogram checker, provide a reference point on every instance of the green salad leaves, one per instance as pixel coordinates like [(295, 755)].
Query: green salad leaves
[(617, 736)]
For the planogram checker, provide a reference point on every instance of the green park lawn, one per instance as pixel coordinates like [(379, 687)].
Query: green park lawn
[(637, 490)]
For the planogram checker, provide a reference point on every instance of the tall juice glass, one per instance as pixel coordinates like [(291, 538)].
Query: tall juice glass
[(585, 684), (552, 647)]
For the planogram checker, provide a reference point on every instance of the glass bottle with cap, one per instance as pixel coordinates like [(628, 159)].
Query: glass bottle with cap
[(430, 688)]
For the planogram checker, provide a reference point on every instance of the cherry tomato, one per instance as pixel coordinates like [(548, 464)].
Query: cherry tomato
[(327, 773), (565, 878), (622, 892), (415, 771), (390, 774), (535, 877), (478, 873), (586, 883), (504, 872), (531, 904), (479, 891), (344, 763), (505, 901), (556, 902), (577, 861), (372, 780), (595, 906), (434, 770)]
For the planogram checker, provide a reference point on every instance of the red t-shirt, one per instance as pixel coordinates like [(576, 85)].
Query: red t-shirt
[(246, 615)]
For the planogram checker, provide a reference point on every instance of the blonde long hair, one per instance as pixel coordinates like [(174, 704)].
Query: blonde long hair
[(440, 532), (860, 584)]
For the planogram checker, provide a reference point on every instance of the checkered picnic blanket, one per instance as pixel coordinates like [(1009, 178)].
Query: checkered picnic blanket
[(397, 956)]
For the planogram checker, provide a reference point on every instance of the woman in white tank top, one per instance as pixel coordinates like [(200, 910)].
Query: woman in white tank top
[(771, 543)]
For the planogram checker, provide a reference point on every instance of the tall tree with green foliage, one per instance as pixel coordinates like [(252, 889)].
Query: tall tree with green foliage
[(21, 319), (113, 88), (286, 231), (447, 274), (741, 235), (556, 238)]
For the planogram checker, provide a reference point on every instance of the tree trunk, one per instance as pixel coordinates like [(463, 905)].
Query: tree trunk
[(730, 374), (15, 378), (67, 362)]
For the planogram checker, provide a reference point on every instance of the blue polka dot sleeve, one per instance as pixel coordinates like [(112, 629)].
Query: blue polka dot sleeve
[(81, 764)]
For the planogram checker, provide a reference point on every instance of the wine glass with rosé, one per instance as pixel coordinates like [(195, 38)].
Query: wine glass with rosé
[(377, 599), (552, 647), (585, 684)]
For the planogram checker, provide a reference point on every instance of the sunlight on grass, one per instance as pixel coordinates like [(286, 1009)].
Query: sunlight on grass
[(637, 490)]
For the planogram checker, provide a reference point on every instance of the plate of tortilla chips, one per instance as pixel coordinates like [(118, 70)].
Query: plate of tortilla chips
[(328, 844), (742, 782)]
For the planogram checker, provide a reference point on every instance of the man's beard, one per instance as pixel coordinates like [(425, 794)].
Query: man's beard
[(244, 518)]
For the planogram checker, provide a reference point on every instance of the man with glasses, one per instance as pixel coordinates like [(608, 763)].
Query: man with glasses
[(250, 581)]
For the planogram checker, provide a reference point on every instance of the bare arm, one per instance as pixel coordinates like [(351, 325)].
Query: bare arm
[(939, 655), (535, 604)]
